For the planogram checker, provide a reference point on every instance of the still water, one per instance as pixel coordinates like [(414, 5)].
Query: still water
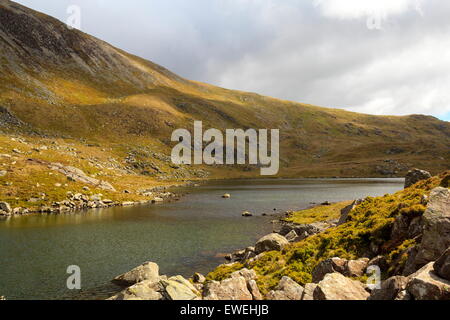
[(182, 237)]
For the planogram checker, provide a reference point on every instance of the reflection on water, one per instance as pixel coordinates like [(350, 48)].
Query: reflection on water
[(182, 237)]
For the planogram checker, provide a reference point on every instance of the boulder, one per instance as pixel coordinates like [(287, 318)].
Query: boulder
[(247, 214), (287, 289), (271, 242), (157, 200), (146, 271), (327, 266), (226, 196), (442, 265), (390, 289), (335, 286), (4, 206), (426, 285), (292, 236), (308, 292), (249, 253), (380, 262), (144, 290), (245, 273), (178, 288), (228, 289), (356, 268), (198, 278), (436, 233), (414, 176), (254, 290)]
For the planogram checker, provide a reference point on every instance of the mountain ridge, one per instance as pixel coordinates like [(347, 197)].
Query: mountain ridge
[(66, 83)]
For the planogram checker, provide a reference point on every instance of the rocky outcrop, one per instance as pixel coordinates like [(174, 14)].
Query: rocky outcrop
[(198, 278), (425, 284), (303, 231), (78, 175), (147, 271), (308, 292), (442, 265), (145, 290), (252, 286), (349, 268), (327, 266), (178, 288), (414, 176), (391, 289), (287, 289), (229, 289), (356, 268), (271, 242), (335, 286), (436, 221)]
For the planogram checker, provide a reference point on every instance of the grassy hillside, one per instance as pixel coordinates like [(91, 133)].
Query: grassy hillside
[(64, 85)]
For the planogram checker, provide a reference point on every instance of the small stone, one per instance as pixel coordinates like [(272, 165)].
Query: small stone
[(226, 196), (198, 278), (4, 206)]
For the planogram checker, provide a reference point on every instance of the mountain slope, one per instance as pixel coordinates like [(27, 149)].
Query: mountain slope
[(61, 83)]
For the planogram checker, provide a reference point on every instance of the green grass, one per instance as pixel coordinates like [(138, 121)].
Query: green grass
[(318, 214)]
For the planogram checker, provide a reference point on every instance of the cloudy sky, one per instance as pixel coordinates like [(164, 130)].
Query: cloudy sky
[(371, 56)]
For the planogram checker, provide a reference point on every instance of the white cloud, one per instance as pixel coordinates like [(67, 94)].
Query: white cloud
[(353, 9)]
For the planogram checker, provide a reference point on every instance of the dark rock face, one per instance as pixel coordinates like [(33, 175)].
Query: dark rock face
[(8, 119), (414, 176), (425, 284), (390, 289), (436, 221), (442, 265), (328, 266)]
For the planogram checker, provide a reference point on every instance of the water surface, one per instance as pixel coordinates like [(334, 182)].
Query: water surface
[(182, 237)]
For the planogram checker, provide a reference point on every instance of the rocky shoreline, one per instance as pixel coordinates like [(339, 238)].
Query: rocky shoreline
[(76, 202), (426, 275)]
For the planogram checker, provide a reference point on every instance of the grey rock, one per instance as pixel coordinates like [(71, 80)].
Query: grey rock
[(308, 293), (245, 273), (144, 290), (335, 286), (426, 285), (4, 206), (178, 288), (198, 278), (254, 290), (414, 176), (356, 268), (436, 220), (271, 242), (442, 265), (146, 271), (228, 289), (327, 266), (390, 289), (287, 289)]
